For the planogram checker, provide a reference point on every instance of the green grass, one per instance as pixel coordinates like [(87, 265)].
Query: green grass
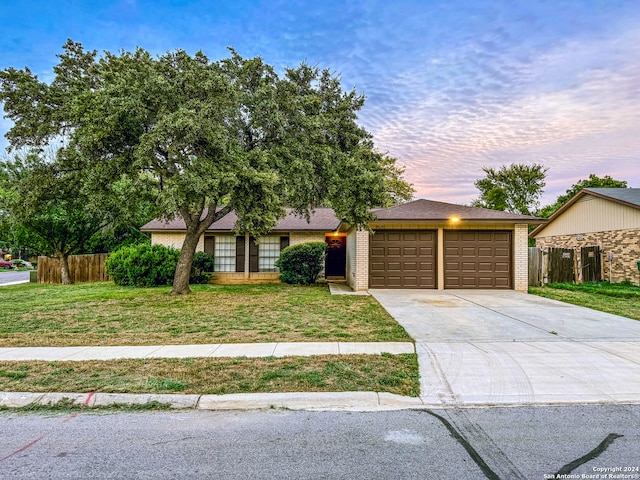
[(105, 314), (323, 373), (617, 298)]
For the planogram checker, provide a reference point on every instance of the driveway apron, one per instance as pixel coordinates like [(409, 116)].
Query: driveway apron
[(482, 347)]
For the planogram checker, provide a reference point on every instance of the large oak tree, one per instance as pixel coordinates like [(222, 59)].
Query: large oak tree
[(210, 136)]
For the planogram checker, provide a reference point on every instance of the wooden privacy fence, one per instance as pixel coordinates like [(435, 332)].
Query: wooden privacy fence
[(553, 265), (82, 268), (535, 266)]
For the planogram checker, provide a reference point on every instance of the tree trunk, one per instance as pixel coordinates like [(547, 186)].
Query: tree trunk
[(183, 270), (65, 275)]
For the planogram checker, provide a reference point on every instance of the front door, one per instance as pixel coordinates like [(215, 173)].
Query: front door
[(335, 264)]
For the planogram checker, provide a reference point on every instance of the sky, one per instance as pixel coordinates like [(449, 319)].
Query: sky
[(451, 86)]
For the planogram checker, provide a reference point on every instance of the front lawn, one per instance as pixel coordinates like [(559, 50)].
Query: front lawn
[(618, 298), (105, 314)]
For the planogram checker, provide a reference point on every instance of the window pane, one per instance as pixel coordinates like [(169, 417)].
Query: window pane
[(225, 254), (268, 253)]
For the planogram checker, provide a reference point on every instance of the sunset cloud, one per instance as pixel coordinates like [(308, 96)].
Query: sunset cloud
[(451, 87)]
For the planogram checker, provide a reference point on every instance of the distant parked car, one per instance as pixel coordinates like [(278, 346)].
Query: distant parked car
[(18, 262), (5, 264)]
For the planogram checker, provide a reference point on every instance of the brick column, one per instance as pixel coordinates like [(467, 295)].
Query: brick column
[(521, 258)]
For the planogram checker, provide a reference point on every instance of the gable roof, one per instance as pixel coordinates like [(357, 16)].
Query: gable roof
[(430, 210), (624, 196), (323, 219)]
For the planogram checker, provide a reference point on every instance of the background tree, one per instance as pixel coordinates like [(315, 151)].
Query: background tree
[(210, 137), (52, 212), (515, 188), (592, 182)]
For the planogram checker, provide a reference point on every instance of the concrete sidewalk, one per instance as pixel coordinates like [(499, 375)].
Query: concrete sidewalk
[(218, 350)]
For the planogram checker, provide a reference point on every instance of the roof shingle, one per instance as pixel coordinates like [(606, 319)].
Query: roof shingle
[(422, 209), (323, 219)]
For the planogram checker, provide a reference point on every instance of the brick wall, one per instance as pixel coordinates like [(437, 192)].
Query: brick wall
[(358, 259), (521, 258), (303, 237), (173, 240), (624, 245)]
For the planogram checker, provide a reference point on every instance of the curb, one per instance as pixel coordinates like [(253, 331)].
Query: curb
[(329, 401), (13, 283), (307, 401)]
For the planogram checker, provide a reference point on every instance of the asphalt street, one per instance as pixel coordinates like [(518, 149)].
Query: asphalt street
[(494, 443), (9, 277)]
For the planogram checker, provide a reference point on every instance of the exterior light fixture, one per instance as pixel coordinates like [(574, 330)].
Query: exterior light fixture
[(455, 219)]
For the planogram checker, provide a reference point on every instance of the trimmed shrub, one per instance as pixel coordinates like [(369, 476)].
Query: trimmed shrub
[(201, 268), (302, 263), (143, 265)]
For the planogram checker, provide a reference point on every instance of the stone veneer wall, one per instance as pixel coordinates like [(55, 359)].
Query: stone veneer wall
[(623, 244)]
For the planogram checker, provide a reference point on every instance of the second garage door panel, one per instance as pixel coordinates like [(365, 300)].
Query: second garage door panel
[(477, 259)]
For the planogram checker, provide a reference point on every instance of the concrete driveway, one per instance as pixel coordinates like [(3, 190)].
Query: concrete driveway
[(481, 347)]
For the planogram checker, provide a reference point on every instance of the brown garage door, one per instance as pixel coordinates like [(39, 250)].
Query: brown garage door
[(477, 259), (403, 259)]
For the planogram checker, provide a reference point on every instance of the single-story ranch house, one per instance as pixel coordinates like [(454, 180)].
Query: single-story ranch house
[(608, 218), (420, 244)]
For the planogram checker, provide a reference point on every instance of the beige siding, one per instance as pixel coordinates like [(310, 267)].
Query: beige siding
[(592, 214)]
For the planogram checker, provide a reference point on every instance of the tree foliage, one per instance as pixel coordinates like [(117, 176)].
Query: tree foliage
[(515, 188), (592, 182), (50, 206), (209, 137), (52, 211)]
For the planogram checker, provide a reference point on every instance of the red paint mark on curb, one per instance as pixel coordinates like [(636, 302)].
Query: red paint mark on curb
[(89, 397), (28, 445)]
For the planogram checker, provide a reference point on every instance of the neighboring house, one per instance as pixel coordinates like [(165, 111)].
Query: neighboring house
[(420, 244), (608, 218)]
